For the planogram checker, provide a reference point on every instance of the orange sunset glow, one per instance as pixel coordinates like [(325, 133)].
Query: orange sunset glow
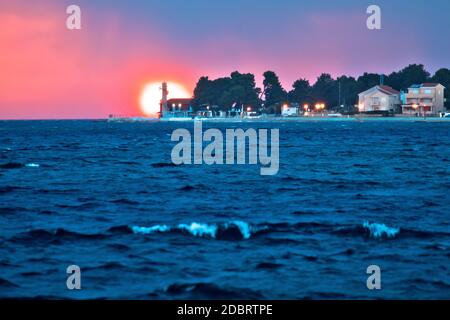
[(151, 96), (49, 72)]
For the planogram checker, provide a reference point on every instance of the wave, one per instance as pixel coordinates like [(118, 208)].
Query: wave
[(32, 165), (53, 236), (145, 230), (240, 230), (233, 230), (370, 230), (230, 231), (382, 231), (379, 231), (199, 230)]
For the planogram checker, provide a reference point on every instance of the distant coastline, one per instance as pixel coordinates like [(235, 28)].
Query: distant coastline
[(288, 119), (262, 119)]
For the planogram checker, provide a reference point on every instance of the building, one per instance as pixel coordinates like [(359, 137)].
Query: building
[(379, 99), (424, 99), (173, 108), (290, 110), (179, 104)]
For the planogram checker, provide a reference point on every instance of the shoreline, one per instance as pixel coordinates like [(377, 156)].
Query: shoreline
[(239, 120), (286, 119)]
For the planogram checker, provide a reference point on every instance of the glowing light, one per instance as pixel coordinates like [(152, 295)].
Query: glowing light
[(249, 109), (415, 106), (320, 106), (306, 107), (285, 106), (151, 96)]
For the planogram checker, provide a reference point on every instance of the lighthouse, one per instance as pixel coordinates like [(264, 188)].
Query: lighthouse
[(165, 93)]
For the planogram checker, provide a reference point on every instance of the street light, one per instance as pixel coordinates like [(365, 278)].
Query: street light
[(419, 108), (319, 106), (415, 106)]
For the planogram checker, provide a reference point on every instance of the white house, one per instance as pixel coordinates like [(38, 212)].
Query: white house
[(426, 99), (379, 98), (290, 110)]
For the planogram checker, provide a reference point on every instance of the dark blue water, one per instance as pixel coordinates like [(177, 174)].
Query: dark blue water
[(105, 197)]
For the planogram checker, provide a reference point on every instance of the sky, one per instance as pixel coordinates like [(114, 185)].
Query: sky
[(50, 72)]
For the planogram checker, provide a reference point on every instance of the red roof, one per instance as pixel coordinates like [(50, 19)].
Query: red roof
[(388, 89), (430, 85), (180, 100)]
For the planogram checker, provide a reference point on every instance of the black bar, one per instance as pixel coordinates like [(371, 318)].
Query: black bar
[(221, 309)]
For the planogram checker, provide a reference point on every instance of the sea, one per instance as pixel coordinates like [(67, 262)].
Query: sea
[(106, 197)]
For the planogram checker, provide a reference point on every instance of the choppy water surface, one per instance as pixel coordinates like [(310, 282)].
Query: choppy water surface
[(104, 196)]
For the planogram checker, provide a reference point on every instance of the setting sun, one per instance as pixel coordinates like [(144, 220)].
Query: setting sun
[(151, 96)]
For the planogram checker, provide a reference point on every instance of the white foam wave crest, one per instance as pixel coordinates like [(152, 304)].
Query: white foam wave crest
[(145, 230), (200, 229), (32, 165), (379, 230)]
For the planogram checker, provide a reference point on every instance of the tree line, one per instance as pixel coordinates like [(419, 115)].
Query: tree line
[(240, 89)]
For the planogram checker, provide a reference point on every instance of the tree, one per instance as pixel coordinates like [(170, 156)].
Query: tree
[(238, 89), (202, 92), (442, 76), (243, 86), (301, 92), (241, 89), (412, 74), (367, 81), (348, 89), (274, 93), (326, 90)]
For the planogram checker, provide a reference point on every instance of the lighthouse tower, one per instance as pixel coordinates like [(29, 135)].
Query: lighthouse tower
[(165, 93)]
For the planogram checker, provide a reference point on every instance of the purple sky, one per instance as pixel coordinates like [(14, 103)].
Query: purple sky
[(293, 37)]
